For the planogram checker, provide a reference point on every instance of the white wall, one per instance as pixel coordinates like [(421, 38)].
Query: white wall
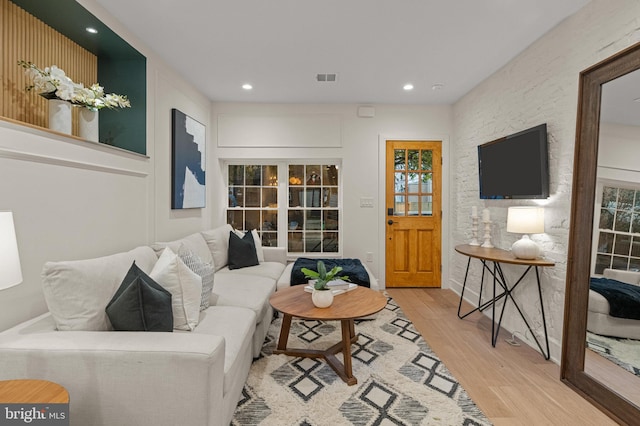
[(363, 228), (540, 85), (73, 199)]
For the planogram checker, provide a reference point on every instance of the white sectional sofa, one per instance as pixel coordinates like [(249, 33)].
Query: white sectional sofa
[(600, 322), (146, 378)]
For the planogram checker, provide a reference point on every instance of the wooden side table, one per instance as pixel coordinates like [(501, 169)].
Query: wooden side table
[(296, 302), (29, 391), (33, 401), (498, 257)]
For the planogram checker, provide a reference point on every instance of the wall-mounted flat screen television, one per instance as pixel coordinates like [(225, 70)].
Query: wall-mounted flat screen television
[(515, 166)]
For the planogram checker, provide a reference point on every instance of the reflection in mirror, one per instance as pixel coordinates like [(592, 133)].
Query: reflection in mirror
[(612, 354)]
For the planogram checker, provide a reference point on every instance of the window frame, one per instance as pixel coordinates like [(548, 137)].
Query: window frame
[(283, 200), (624, 185)]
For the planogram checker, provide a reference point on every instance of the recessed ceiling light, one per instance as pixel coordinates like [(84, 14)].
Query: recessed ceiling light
[(91, 30), (408, 87), (247, 86)]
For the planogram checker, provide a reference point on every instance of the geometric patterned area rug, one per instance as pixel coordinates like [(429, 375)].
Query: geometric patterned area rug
[(400, 380), (623, 352)]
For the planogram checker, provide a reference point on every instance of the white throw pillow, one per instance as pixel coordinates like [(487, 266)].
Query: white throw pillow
[(185, 287), (218, 241), (258, 241), (78, 291)]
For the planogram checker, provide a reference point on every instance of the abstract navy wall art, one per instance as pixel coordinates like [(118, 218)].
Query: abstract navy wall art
[(187, 161)]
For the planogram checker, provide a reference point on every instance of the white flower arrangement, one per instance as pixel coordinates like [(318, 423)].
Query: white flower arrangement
[(53, 83)]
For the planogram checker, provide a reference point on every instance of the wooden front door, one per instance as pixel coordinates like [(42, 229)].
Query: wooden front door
[(413, 202)]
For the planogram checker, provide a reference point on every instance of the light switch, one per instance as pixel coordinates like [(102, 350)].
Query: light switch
[(366, 202)]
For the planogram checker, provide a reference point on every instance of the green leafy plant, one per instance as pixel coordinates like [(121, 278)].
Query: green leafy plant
[(322, 277)]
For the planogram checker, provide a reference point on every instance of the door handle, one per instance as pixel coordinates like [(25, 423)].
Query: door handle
[(390, 222)]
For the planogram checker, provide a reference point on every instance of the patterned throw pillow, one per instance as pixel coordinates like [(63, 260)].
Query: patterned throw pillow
[(205, 270)]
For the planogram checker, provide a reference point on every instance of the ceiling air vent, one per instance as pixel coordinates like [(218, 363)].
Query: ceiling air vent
[(331, 78)]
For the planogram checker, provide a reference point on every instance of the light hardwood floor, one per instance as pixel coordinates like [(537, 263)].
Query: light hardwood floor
[(511, 385)]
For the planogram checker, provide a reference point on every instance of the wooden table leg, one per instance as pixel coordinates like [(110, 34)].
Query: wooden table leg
[(348, 332), (284, 333)]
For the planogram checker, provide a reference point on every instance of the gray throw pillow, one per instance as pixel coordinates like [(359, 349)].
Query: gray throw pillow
[(140, 304), (204, 270), (242, 251)]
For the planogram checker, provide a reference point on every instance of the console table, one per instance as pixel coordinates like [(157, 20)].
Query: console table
[(497, 257)]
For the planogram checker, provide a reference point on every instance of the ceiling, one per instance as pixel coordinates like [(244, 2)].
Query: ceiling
[(374, 46)]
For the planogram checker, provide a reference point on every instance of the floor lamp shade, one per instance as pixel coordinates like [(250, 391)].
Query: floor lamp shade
[(10, 272), (525, 220)]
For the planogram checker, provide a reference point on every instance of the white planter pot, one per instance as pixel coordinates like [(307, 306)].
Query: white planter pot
[(88, 123), (322, 298), (60, 116)]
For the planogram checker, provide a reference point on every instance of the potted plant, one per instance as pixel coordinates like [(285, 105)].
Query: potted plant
[(322, 297)]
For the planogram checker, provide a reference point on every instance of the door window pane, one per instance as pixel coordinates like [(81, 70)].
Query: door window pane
[(399, 183), (426, 203), (413, 159), (398, 209), (605, 242), (427, 159), (330, 175), (398, 158)]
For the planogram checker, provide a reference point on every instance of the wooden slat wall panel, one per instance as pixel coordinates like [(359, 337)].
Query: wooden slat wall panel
[(24, 37)]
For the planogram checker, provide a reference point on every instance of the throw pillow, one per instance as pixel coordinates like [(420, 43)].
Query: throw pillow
[(185, 287), (204, 270), (218, 242), (258, 244), (140, 304), (242, 251), (78, 291)]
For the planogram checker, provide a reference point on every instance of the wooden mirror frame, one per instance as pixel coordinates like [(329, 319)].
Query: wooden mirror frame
[(580, 237)]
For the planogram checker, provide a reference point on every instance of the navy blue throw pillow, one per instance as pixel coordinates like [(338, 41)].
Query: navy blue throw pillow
[(242, 251)]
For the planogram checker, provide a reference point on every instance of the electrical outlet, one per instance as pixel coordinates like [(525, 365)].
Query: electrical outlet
[(369, 256)]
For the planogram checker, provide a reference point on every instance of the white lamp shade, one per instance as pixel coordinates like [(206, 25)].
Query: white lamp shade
[(525, 220), (10, 272)]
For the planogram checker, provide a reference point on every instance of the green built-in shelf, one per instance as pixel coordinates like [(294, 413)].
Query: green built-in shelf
[(121, 68)]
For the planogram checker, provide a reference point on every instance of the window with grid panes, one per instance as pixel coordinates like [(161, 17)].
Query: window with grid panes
[(313, 216), (308, 211), (253, 200), (619, 230)]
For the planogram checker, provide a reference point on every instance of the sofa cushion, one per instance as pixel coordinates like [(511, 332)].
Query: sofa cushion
[(77, 292), (218, 242), (242, 251), (140, 304), (272, 270), (204, 270), (184, 285), (245, 291), (194, 242), (237, 326)]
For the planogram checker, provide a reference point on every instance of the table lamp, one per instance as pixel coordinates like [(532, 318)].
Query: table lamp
[(525, 220), (10, 272)]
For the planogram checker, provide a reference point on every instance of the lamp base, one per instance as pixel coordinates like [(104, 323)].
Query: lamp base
[(525, 248)]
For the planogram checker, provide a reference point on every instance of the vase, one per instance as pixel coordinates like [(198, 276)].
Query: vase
[(88, 124), (322, 298), (60, 116)]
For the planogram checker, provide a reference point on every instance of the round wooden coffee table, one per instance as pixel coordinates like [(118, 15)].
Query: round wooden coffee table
[(294, 301)]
